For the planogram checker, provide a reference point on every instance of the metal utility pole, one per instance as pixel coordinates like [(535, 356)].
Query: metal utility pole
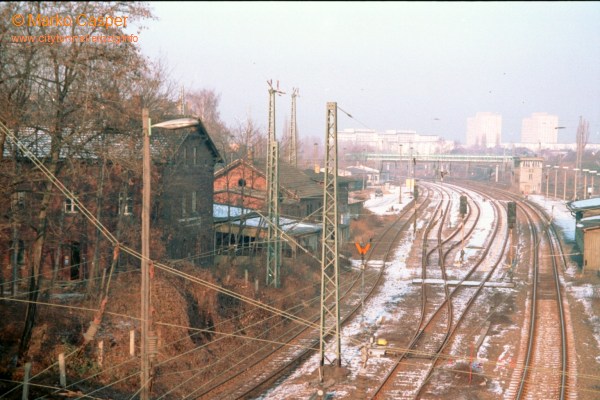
[(330, 311), (316, 166), (565, 184), (293, 133), (400, 176), (556, 167), (273, 234), (145, 289), (582, 139), (547, 178), (575, 170), (148, 337)]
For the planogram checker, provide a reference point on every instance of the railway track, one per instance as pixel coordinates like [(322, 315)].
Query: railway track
[(444, 308), (447, 323), (303, 341), (441, 314), (543, 367), (545, 364)]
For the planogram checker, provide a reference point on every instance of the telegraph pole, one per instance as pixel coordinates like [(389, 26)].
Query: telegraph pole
[(145, 290), (273, 239), (293, 132), (330, 311)]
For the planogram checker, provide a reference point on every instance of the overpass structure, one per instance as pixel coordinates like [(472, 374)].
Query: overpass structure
[(444, 158)]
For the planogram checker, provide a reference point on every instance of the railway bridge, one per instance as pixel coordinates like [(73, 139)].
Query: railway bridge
[(393, 165)]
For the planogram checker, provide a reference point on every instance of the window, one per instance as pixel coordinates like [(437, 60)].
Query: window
[(18, 249), (183, 209), (193, 201), (125, 204), (18, 200), (185, 160), (195, 156), (70, 207)]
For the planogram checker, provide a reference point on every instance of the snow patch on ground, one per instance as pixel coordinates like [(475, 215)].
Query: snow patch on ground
[(397, 284), (385, 305), (388, 204)]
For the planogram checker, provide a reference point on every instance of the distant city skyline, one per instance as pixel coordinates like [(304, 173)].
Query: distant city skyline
[(484, 130), (540, 128), (420, 66)]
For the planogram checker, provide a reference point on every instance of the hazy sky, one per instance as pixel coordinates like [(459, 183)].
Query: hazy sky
[(424, 66)]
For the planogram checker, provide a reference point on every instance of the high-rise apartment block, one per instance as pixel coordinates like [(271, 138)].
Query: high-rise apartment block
[(485, 130), (540, 128)]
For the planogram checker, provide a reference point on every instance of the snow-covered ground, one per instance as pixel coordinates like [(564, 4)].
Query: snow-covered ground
[(388, 203), (376, 310), (398, 280)]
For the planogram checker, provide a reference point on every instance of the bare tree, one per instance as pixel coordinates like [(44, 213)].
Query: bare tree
[(204, 103), (65, 91)]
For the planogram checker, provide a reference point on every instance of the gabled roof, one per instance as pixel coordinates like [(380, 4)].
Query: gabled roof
[(168, 142), (89, 144), (291, 180), (584, 205)]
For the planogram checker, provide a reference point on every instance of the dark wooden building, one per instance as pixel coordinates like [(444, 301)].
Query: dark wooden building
[(104, 172)]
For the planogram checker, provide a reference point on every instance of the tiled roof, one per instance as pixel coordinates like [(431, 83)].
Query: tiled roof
[(91, 144), (298, 182)]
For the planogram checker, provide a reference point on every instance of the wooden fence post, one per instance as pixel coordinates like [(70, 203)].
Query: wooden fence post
[(100, 352), (132, 342), (62, 370)]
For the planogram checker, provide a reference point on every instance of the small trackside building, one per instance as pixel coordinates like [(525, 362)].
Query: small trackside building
[(587, 231), (528, 175)]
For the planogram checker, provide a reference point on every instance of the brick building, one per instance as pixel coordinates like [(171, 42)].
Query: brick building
[(244, 184)]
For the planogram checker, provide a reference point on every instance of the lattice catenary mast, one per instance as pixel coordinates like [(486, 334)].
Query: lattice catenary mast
[(330, 311), (273, 235)]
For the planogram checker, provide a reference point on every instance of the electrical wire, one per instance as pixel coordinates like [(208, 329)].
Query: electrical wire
[(105, 232)]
